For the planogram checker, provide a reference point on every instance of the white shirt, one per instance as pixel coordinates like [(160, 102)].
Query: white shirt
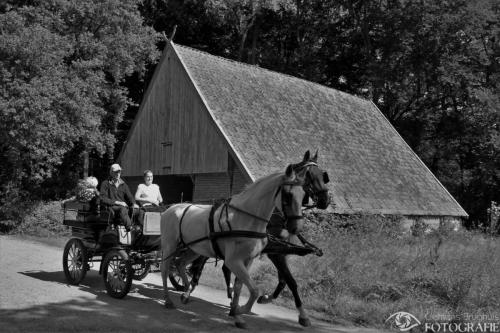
[(149, 193)]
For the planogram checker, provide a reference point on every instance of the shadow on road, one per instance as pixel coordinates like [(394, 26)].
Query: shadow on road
[(46, 276), (141, 310)]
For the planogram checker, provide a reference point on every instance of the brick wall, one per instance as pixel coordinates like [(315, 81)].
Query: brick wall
[(239, 181), (210, 186), (213, 186)]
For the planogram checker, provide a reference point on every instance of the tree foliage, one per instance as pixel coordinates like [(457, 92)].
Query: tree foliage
[(62, 67)]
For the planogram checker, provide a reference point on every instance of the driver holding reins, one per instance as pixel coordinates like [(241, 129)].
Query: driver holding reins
[(116, 196), (148, 193)]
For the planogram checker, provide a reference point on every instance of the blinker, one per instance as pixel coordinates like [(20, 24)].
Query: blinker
[(326, 179)]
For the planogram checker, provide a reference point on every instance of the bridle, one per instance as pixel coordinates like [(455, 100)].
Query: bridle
[(286, 198), (308, 185)]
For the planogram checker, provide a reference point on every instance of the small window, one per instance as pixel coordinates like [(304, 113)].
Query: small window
[(166, 156)]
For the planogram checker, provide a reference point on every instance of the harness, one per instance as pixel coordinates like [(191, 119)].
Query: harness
[(226, 205), (308, 188), (213, 235)]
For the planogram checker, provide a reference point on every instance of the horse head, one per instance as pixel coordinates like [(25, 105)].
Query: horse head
[(315, 180), (292, 196)]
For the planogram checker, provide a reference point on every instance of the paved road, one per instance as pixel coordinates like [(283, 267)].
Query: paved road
[(34, 297)]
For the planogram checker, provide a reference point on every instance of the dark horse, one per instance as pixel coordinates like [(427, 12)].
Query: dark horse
[(315, 188)]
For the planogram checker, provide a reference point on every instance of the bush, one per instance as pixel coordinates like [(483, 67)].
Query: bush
[(13, 205), (43, 219)]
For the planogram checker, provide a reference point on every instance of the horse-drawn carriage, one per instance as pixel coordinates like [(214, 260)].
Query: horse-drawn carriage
[(124, 256), (234, 231)]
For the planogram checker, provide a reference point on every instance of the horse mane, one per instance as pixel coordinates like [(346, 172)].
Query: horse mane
[(251, 188)]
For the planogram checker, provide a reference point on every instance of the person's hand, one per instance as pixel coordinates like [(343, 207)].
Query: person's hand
[(284, 234), (136, 205), (121, 203)]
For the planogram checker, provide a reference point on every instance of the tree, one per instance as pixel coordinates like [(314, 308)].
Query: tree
[(62, 68)]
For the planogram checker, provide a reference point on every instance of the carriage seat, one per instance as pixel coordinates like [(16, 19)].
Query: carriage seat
[(77, 212), (149, 219)]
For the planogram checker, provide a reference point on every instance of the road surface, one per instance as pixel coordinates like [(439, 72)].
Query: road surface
[(34, 297)]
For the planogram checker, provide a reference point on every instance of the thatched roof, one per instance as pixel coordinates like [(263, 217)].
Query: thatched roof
[(271, 119)]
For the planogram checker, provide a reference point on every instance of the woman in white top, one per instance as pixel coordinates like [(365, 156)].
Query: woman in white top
[(148, 193)]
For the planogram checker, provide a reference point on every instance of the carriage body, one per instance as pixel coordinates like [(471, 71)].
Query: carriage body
[(123, 256)]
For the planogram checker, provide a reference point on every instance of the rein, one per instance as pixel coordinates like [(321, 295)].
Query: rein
[(280, 188), (214, 235)]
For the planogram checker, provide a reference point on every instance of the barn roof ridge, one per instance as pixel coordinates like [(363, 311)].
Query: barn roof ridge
[(259, 68)]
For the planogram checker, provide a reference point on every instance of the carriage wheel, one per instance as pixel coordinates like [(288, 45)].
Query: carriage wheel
[(176, 280), (75, 261), (117, 273), (141, 269)]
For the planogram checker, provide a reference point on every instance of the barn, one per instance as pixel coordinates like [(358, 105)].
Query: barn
[(208, 125)]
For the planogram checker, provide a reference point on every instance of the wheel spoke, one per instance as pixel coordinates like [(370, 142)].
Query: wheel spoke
[(116, 274), (75, 261)]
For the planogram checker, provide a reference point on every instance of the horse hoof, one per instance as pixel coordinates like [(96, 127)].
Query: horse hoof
[(169, 305), (235, 311), (304, 322), (184, 299), (264, 299), (241, 324)]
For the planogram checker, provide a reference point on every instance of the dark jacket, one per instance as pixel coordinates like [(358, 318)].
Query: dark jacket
[(110, 193)]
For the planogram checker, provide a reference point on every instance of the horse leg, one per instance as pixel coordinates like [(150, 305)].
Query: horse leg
[(266, 298), (243, 275), (227, 277), (240, 270), (165, 271), (281, 262), (234, 309), (196, 270), (181, 268)]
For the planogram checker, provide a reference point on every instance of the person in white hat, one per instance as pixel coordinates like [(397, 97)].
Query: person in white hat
[(116, 196)]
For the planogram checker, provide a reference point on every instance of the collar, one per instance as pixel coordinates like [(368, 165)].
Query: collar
[(117, 182)]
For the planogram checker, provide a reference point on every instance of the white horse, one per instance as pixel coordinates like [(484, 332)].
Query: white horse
[(239, 235)]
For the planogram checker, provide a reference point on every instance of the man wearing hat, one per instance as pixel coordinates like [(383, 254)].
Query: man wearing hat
[(116, 196)]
